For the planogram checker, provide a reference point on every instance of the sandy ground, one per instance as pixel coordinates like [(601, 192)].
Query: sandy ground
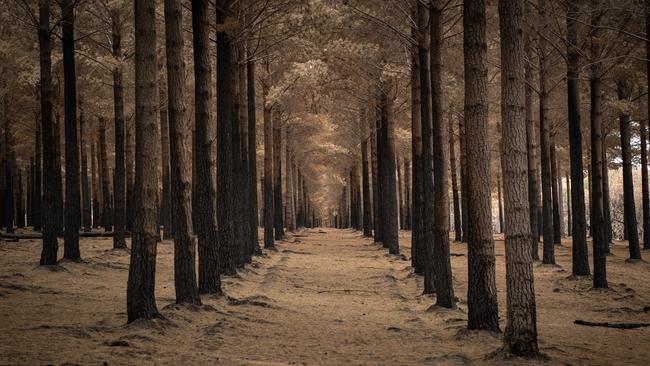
[(324, 297)]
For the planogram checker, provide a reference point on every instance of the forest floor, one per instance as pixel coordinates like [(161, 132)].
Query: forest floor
[(325, 297)]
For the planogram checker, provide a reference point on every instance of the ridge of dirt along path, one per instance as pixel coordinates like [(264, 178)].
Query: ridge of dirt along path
[(324, 297)]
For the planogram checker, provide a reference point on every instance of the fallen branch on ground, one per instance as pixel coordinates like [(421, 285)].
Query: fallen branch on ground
[(612, 325)]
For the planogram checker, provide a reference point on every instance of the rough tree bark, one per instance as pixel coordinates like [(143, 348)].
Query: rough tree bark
[(140, 293), (205, 197), (531, 142), (520, 336), (443, 274), (226, 112), (180, 171), (481, 295)]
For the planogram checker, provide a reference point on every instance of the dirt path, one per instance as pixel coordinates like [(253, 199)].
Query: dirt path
[(325, 297)]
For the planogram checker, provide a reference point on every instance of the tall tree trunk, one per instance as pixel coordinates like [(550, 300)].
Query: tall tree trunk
[(205, 197), (9, 165), (36, 206), (226, 112), (140, 294), (375, 179), (106, 195), (443, 274), (388, 156), (408, 190), (288, 181), (624, 90), (428, 204), (20, 201), (180, 172), (252, 157), (482, 295), (365, 179), (94, 180), (596, 214), (85, 190), (72, 194), (545, 144), (606, 207), (129, 157), (463, 178), (416, 146), (531, 143), (269, 239), (454, 179), (165, 198), (58, 177), (119, 182), (643, 134), (555, 186), (499, 202), (521, 328), (400, 194), (278, 222), (568, 204), (580, 255)]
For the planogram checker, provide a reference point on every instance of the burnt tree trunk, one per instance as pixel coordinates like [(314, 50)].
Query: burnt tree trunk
[(388, 156)]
